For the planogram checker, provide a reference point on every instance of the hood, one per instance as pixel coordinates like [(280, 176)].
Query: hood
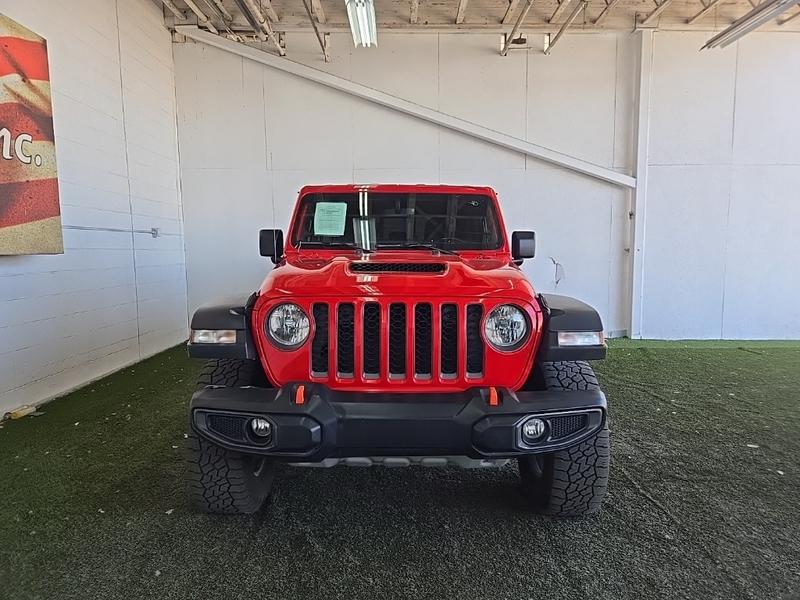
[(396, 274)]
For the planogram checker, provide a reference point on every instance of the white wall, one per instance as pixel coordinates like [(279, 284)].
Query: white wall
[(721, 246), (724, 162), (250, 137), (114, 296)]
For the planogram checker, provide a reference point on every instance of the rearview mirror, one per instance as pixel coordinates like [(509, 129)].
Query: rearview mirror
[(523, 245), (270, 242)]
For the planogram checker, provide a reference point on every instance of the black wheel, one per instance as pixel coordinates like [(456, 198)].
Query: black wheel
[(571, 482), (222, 481)]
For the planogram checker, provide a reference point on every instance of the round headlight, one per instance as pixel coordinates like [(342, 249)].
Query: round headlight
[(506, 327), (288, 326)]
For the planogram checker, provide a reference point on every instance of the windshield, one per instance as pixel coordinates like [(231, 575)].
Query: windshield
[(397, 220)]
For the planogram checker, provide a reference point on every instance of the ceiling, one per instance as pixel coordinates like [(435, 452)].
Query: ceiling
[(491, 15)]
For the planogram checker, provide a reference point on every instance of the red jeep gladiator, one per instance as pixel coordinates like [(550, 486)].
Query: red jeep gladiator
[(397, 328)]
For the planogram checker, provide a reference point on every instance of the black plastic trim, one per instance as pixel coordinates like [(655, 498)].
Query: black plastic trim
[(231, 313), (352, 424), (562, 313)]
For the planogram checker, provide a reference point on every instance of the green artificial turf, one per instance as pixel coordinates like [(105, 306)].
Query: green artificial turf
[(703, 501)]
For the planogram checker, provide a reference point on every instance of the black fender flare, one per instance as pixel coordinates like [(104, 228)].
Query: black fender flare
[(562, 313), (233, 313)]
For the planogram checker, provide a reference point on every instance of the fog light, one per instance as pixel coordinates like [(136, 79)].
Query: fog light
[(532, 430), (261, 427)]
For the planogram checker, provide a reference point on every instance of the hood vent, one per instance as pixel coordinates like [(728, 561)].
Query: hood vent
[(387, 267)]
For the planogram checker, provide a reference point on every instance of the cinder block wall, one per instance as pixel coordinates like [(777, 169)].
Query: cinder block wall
[(114, 296)]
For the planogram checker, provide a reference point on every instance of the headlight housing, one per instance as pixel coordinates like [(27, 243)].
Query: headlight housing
[(506, 327), (287, 326)]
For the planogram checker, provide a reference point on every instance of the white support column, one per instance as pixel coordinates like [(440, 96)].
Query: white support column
[(638, 209)]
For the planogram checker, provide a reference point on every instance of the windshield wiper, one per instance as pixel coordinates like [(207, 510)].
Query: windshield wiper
[(333, 246), (419, 246)]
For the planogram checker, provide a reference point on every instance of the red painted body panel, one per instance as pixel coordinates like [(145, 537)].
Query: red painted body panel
[(473, 277)]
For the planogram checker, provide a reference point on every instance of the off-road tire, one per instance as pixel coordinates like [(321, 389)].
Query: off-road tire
[(571, 482), (232, 372), (222, 481)]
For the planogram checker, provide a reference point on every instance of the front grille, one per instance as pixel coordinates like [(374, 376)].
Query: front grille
[(449, 347), (345, 348), (372, 340), (397, 339), (474, 340), (425, 340), (379, 267), (563, 426), (228, 426), (319, 346)]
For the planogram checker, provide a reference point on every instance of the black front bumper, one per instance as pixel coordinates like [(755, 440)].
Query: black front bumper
[(330, 424)]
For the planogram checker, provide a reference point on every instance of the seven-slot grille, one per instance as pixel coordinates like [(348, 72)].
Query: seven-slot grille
[(399, 340)]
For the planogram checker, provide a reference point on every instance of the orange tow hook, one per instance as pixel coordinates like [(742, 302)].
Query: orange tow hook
[(300, 397), (494, 398)]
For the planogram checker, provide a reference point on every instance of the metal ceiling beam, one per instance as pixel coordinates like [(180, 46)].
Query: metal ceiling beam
[(655, 14), (462, 10), (201, 16), (413, 16), (706, 9), (602, 16), (517, 25), (424, 113), (174, 9), (510, 12), (267, 6), (787, 19), (559, 11), (572, 16), (323, 40), (319, 12), (223, 11), (259, 24)]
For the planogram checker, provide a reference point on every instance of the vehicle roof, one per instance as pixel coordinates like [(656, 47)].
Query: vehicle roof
[(416, 188)]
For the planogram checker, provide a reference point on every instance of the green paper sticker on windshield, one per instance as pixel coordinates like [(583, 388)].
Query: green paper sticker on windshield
[(329, 218)]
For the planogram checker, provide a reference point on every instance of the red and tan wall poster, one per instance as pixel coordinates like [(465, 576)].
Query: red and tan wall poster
[(30, 216)]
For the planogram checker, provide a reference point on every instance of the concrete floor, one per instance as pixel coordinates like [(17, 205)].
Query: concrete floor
[(703, 501)]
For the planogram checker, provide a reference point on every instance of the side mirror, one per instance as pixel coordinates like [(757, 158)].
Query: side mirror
[(270, 242), (523, 245)]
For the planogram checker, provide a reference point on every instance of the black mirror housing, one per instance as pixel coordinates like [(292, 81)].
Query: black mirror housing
[(523, 245), (270, 243)]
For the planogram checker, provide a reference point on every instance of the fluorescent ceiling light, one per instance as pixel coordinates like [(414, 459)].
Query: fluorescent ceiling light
[(762, 13), (361, 14)]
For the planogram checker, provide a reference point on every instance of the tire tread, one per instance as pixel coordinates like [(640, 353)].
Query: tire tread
[(574, 481), (219, 480)]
